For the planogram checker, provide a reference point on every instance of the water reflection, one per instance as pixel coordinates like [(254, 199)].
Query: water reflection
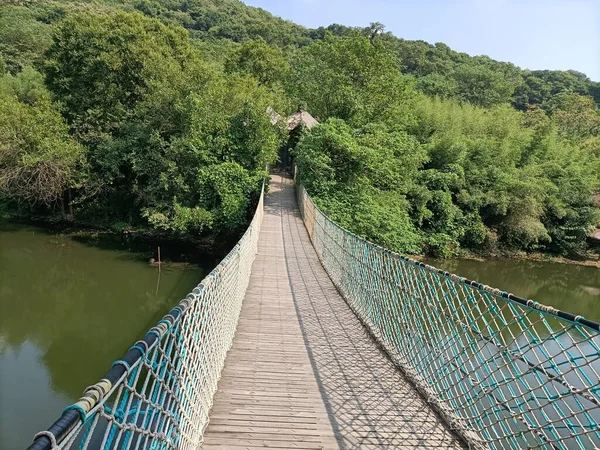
[(67, 309), (571, 288)]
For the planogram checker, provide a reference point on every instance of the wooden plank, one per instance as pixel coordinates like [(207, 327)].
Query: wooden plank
[(279, 416), (284, 442), (303, 372)]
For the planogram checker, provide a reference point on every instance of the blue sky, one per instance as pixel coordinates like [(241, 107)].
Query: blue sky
[(533, 34)]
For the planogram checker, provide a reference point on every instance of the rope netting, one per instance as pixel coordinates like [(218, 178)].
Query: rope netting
[(158, 396), (504, 372)]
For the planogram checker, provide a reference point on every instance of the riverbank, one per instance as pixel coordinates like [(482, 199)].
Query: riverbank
[(174, 249), (590, 260)]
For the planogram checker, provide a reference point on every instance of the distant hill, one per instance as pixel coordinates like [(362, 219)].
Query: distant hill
[(437, 68)]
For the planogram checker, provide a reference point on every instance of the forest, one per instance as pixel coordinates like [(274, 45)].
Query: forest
[(150, 115)]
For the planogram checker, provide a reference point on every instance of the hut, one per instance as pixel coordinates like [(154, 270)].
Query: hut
[(300, 119), (296, 124)]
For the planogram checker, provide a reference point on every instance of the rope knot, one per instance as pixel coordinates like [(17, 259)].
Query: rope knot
[(50, 436), (120, 362)]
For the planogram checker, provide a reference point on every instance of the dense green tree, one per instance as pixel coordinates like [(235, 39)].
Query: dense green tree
[(577, 116), (157, 119), (100, 65), (336, 164), (38, 159), (27, 86), (225, 19), (350, 78), (189, 132), (564, 81), (539, 87), (482, 85), (421, 59), (465, 176), (23, 39), (267, 64), (438, 85)]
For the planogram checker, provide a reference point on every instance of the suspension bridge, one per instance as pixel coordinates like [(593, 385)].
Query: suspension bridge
[(307, 336)]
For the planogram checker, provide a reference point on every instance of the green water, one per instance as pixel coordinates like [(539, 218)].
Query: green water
[(68, 308), (571, 288)]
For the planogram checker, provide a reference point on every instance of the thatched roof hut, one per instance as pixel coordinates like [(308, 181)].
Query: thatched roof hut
[(301, 118)]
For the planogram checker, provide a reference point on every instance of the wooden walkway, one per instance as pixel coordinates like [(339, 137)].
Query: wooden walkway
[(303, 373)]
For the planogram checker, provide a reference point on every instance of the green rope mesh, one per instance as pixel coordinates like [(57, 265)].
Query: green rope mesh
[(504, 372)]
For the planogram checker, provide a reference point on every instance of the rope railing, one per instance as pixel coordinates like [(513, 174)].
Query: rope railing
[(504, 372), (160, 393)]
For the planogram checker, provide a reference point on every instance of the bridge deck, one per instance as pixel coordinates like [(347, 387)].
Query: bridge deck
[(303, 372)]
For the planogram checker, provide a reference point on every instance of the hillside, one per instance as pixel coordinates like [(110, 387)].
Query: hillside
[(439, 70), (149, 114)]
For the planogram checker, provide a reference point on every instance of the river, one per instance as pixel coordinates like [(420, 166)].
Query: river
[(68, 308), (571, 288)]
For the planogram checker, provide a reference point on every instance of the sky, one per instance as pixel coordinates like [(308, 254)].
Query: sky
[(533, 34)]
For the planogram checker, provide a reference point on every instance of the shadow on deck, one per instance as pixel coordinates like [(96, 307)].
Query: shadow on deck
[(303, 372)]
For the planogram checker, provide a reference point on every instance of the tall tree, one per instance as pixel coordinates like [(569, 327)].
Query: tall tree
[(350, 78), (38, 158), (267, 64), (101, 65), (23, 39)]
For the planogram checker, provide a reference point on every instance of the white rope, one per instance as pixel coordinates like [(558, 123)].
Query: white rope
[(164, 398), (49, 435)]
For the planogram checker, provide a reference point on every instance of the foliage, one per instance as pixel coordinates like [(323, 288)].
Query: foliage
[(171, 141), (482, 85), (352, 175), (23, 39), (153, 113), (267, 64), (350, 78), (459, 176), (576, 116), (100, 65), (441, 71), (38, 159), (190, 134), (225, 19)]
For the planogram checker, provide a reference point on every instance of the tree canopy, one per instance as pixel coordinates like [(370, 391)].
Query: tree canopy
[(140, 128), (152, 114)]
